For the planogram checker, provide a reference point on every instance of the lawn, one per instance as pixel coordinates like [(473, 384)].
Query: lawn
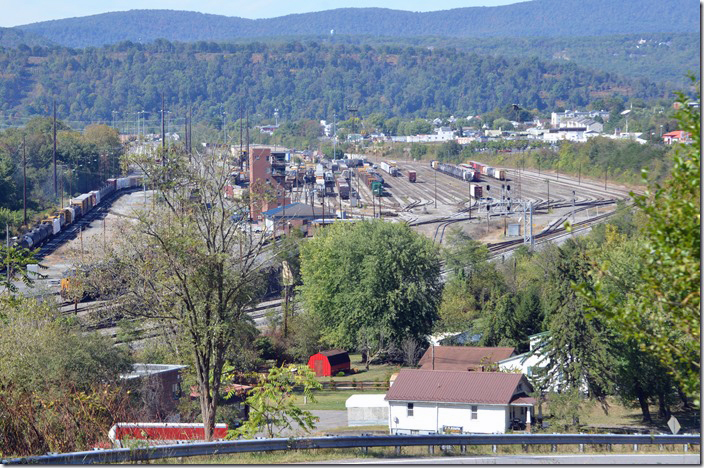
[(378, 372), (623, 416), (330, 399)]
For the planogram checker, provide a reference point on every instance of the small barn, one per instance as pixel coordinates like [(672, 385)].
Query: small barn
[(329, 363)]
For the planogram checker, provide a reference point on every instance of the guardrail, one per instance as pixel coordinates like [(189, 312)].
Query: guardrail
[(260, 445)]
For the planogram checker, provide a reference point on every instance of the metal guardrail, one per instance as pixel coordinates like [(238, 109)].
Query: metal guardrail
[(260, 445)]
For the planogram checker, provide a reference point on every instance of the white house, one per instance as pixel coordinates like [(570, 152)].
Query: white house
[(534, 362), (367, 410), (527, 362), (442, 402)]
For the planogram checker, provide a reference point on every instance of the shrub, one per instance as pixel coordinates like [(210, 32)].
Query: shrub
[(340, 374)]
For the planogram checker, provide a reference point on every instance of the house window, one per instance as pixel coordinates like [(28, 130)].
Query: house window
[(475, 412), (409, 409)]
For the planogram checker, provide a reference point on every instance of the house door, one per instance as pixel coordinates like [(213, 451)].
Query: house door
[(318, 366)]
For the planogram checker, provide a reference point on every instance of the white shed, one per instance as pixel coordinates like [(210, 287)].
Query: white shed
[(367, 410)]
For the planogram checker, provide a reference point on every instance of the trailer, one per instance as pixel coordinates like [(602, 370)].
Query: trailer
[(411, 176)]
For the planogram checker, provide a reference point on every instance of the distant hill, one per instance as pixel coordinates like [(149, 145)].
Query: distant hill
[(13, 37), (301, 79), (546, 18)]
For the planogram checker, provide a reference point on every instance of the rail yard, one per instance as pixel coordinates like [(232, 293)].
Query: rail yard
[(495, 209)]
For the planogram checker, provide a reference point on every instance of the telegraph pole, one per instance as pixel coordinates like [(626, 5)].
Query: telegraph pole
[(580, 173), (548, 181), (436, 188), (606, 176), (163, 132), (24, 178), (56, 185)]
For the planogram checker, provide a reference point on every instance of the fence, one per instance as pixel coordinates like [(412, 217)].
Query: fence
[(355, 385), (257, 445)]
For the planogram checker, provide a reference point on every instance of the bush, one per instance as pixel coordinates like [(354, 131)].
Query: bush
[(340, 374)]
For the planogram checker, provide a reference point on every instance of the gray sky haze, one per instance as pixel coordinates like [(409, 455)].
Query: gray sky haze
[(15, 13)]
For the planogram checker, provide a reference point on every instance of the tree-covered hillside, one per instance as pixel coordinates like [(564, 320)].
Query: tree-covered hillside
[(546, 18), (661, 57), (13, 37), (308, 80)]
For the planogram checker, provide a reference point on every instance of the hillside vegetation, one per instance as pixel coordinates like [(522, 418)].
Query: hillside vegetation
[(310, 80), (550, 18)]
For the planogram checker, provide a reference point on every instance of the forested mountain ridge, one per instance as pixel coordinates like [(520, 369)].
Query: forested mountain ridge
[(302, 80), (13, 37), (547, 18)]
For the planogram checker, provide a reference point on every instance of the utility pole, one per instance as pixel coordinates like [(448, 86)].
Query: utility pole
[(163, 131), (334, 136), (24, 179), (580, 173), (573, 203), (56, 185), (606, 176), (436, 188), (469, 194), (548, 181)]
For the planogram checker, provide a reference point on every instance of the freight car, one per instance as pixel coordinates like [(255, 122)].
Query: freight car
[(76, 209), (461, 173), (475, 191), (343, 188), (411, 176)]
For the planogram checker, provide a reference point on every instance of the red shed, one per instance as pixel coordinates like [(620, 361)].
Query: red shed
[(329, 363)]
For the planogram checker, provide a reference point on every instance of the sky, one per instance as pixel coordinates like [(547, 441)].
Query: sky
[(16, 13)]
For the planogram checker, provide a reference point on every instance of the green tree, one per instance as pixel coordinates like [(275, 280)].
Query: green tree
[(14, 261), (371, 273), (187, 266), (577, 350), (661, 311), (59, 385), (271, 402)]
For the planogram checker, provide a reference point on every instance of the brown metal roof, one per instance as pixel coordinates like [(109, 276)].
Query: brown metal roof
[(495, 388), (522, 400), (463, 357)]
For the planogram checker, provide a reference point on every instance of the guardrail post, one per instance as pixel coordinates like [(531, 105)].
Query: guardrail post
[(365, 450), (611, 447), (397, 450), (493, 448), (431, 449), (581, 448), (635, 447), (463, 449), (686, 447), (661, 446), (525, 447)]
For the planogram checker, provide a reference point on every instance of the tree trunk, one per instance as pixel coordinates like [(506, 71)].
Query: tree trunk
[(643, 401), (683, 397), (663, 410)]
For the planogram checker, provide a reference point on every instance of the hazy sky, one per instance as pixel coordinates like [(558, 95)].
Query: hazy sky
[(31, 11)]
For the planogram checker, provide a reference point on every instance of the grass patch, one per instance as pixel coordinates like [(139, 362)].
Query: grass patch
[(378, 372), (330, 399)]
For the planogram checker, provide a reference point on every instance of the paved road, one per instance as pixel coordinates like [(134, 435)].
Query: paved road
[(329, 419), (635, 459)]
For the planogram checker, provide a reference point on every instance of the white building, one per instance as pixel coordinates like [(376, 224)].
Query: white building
[(526, 362), (556, 118), (367, 410), (442, 402)]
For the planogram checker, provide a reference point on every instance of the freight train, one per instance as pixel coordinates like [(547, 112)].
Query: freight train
[(466, 174), (77, 208), (498, 174), (390, 168)]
